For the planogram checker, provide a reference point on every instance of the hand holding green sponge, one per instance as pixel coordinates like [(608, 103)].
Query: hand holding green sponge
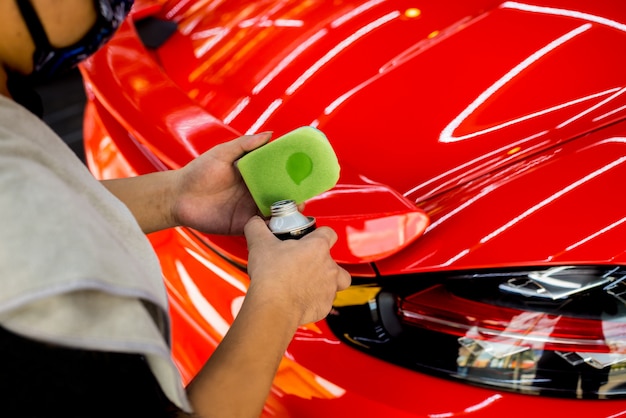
[(297, 166)]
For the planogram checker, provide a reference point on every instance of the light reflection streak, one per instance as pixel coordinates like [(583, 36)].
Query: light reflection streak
[(266, 23), (432, 39), (176, 8), (333, 389), (214, 36), (487, 156), (264, 116), (187, 26), (204, 6), (305, 45), (447, 135), (340, 47), (422, 259), (355, 12), (525, 214), (442, 415), (592, 108), (552, 198), (204, 308), (596, 234), (316, 339), (612, 112), (288, 23), (285, 62), (462, 207), (227, 277), (457, 257), (236, 305), (619, 414), (237, 110), (484, 403), (473, 408), (187, 122), (339, 100), (564, 12)]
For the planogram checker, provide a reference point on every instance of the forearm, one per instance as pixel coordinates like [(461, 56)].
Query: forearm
[(237, 379), (207, 194), (149, 198), (282, 295)]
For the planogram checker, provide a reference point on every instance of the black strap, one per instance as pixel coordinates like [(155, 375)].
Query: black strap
[(37, 32)]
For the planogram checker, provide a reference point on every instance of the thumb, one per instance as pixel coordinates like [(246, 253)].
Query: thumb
[(238, 147), (251, 142), (256, 230)]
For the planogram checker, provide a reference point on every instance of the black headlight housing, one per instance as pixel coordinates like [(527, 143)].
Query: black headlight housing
[(555, 331)]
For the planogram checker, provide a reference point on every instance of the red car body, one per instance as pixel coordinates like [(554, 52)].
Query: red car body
[(473, 136)]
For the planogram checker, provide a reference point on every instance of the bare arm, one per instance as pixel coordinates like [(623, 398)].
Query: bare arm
[(283, 294), (148, 198), (236, 380), (207, 194)]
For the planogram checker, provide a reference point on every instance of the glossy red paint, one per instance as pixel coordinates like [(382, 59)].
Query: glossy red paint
[(479, 131), (459, 110)]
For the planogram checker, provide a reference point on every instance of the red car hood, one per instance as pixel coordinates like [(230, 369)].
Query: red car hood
[(420, 104), (420, 100), (416, 102)]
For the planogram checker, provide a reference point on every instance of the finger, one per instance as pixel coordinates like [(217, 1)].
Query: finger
[(344, 280), (238, 147), (255, 230), (251, 142), (327, 233)]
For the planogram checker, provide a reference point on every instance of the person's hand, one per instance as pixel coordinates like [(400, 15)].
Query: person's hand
[(292, 283), (299, 276), (210, 194)]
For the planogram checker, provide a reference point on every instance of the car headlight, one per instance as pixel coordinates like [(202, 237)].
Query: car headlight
[(557, 331)]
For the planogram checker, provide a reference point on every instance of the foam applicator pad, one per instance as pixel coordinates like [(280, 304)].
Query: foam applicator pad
[(297, 166)]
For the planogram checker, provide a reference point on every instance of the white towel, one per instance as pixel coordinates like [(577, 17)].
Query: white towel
[(75, 268)]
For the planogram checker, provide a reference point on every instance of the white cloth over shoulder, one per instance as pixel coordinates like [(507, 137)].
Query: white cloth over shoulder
[(75, 267)]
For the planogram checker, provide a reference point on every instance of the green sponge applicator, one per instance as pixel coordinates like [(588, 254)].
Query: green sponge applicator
[(297, 166)]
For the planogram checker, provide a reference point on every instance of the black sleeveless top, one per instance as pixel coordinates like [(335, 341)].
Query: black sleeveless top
[(43, 380)]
